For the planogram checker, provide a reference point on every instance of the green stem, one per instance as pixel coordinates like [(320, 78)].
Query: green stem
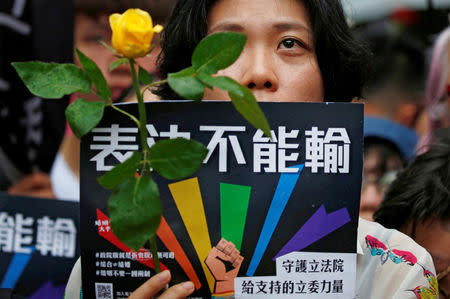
[(127, 114), (154, 84), (154, 250), (157, 83), (107, 46), (142, 115), (145, 151)]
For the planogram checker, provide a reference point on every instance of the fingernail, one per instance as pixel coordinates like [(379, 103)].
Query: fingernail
[(164, 276), (188, 285)]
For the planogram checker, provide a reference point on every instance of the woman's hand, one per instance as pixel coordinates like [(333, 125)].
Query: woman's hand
[(36, 184), (155, 284)]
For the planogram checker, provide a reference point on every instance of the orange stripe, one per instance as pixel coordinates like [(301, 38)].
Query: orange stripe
[(166, 235)]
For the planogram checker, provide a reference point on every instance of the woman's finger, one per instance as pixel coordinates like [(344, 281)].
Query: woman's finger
[(179, 291), (152, 286)]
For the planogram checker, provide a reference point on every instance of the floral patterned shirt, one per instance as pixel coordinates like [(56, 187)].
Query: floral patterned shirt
[(391, 265)]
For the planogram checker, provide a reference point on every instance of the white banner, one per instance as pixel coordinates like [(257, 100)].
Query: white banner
[(304, 274)]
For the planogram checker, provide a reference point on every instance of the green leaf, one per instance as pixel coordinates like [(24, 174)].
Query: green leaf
[(52, 80), (83, 116), (117, 63), (95, 75), (218, 51), (121, 172), (135, 211), (176, 159), (225, 83), (248, 107), (144, 76), (186, 84)]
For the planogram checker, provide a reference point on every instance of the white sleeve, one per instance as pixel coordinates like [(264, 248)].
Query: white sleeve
[(73, 287), (399, 271)]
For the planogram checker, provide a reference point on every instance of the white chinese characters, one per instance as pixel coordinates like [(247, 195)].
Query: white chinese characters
[(218, 140), (330, 151), (56, 238), (114, 143), (16, 233), (269, 152), (122, 142), (326, 151)]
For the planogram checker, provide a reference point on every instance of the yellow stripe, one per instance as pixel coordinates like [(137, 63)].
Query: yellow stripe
[(189, 202)]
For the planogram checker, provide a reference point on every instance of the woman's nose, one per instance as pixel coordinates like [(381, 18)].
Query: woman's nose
[(260, 70)]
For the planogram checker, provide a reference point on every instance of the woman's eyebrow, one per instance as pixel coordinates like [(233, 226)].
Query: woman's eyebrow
[(227, 26), (278, 26), (287, 26)]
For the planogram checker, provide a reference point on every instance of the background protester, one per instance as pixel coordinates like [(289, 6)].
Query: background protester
[(437, 101), (418, 204), (31, 129), (396, 83), (388, 146)]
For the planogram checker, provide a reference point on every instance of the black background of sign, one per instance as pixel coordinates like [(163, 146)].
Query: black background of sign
[(40, 269), (312, 190)]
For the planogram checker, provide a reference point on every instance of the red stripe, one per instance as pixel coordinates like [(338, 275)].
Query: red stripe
[(106, 232)]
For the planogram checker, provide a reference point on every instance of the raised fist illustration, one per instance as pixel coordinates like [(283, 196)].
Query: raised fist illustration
[(224, 262)]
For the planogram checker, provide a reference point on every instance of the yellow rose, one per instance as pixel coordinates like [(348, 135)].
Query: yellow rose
[(132, 32)]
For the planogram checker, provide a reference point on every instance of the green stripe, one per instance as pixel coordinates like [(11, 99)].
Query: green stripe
[(233, 211)]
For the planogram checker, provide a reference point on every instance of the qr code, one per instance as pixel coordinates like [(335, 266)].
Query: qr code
[(104, 290)]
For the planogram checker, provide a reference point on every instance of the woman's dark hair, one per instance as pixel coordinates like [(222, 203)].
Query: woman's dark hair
[(342, 60), (421, 191)]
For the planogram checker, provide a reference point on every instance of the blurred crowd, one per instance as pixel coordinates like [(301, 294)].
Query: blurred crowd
[(406, 179)]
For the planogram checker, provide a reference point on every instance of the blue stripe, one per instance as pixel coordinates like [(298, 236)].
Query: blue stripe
[(15, 269), (284, 190)]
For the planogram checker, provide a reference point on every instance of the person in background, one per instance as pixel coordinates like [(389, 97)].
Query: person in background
[(395, 86), (437, 95), (418, 204), (388, 146), (31, 128), (91, 27)]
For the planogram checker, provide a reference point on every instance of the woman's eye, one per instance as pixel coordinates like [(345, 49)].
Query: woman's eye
[(289, 43)]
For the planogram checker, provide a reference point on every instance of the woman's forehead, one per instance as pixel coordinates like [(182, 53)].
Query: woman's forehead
[(258, 12)]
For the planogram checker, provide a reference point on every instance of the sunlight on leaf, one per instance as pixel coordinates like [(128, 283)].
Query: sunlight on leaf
[(83, 116), (218, 51), (95, 75), (52, 80), (248, 107), (185, 84), (224, 83)]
